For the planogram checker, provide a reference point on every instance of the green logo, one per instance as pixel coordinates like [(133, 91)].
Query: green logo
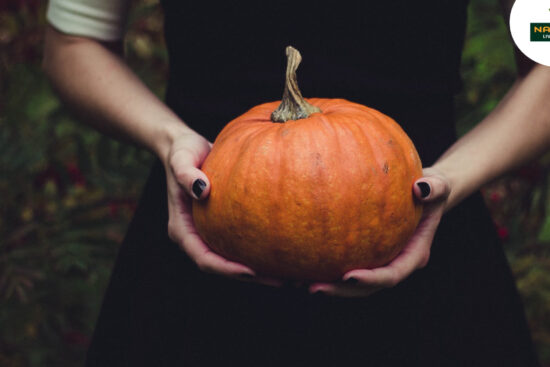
[(540, 32)]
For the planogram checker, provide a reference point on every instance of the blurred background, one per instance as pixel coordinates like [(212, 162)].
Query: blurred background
[(67, 193)]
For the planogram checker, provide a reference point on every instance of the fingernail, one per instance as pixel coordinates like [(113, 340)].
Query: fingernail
[(246, 276), (351, 280), (198, 187), (424, 189)]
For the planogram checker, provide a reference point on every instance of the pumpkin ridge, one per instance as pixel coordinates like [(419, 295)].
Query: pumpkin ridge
[(384, 182), (248, 212), (408, 151), (354, 214), (372, 213), (400, 155)]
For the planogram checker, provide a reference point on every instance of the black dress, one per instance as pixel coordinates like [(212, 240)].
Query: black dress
[(400, 57)]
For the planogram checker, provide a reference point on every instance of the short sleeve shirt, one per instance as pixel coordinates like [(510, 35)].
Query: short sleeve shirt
[(104, 20)]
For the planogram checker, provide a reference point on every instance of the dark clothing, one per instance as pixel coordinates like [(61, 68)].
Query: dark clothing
[(400, 57)]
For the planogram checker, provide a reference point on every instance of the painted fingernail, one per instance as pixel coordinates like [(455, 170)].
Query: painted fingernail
[(246, 276), (198, 187), (424, 189), (351, 280)]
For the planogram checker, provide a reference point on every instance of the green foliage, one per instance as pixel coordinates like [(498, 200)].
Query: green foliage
[(67, 196), (488, 65), (69, 192), (519, 202)]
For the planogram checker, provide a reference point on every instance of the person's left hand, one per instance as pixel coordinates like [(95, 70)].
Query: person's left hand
[(433, 190)]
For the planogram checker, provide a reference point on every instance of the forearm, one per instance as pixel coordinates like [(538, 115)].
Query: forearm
[(99, 86), (517, 131)]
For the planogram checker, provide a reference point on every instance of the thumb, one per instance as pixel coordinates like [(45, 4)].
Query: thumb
[(431, 188), (191, 179)]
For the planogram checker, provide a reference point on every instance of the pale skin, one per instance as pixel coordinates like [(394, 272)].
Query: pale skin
[(93, 79)]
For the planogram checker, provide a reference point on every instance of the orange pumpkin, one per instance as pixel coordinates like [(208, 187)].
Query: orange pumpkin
[(326, 191)]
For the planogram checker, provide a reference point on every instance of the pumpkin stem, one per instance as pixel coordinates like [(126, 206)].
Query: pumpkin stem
[(293, 106)]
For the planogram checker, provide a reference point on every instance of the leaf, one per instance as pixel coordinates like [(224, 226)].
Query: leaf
[(544, 234)]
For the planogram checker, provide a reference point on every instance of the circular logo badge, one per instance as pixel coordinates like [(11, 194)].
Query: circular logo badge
[(530, 28)]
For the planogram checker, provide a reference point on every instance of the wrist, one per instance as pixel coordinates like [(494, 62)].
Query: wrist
[(459, 184), (167, 134)]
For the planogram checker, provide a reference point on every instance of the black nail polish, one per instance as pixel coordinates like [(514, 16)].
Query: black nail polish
[(246, 276), (351, 281), (198, 187), (424, 189)]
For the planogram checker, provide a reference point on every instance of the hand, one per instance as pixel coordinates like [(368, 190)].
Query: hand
[(433, 191), (185, 182)]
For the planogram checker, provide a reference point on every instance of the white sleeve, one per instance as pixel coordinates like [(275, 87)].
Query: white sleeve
[(101, 19)]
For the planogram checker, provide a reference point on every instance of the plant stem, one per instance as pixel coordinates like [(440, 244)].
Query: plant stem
[(293, 106)]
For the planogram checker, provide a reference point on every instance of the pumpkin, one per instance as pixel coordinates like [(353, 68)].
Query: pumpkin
[(309, 188)]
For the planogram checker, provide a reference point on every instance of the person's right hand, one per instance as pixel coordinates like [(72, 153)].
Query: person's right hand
[(186, 182)]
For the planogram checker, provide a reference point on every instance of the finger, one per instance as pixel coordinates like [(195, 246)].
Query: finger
[(184, 165), (182, 230), (193, 180), (431, 188), (263, 280), (415, 255), (210, 262)]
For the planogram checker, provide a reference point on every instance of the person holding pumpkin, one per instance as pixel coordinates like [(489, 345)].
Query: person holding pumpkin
[(448, 299)]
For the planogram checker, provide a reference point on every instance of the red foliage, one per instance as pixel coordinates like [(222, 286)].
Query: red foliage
[(116, 205), (48, 174), (503, 232), (495, 197), (75, 175), (76, 338), (59, 176)]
